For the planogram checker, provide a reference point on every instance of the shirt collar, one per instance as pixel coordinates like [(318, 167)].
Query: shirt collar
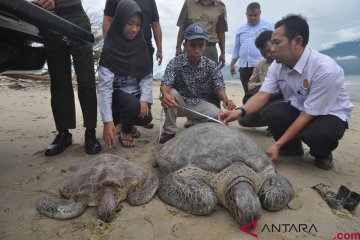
[(211, 1), (300, 65), (185, 61)]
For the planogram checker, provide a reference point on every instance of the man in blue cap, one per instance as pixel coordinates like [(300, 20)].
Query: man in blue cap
[(189, 80)]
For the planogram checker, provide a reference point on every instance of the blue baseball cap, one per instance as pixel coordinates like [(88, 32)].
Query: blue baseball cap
[(196, 30)]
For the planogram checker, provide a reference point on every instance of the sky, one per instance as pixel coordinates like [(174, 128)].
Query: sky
[(330, 21)]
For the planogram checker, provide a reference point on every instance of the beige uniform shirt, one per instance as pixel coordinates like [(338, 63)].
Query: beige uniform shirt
[(259, 73), (213, 17)]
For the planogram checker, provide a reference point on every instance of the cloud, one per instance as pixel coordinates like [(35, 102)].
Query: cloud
[(343, 35), (351, 57)]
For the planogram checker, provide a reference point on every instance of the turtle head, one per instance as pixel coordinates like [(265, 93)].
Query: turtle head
[(107, 203)]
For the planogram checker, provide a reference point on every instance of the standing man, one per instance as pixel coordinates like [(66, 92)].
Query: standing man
[(317, 107), (189, 80), (212, 14), (151, 22), (62, 95), (245, 49)]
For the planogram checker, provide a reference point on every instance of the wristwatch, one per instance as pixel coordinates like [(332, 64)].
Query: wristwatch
[(243, 111)]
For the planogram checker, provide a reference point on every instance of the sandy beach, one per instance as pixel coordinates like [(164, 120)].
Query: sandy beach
[(26, 175)]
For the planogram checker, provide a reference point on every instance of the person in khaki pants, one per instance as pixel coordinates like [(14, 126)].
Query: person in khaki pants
[(189, 80)]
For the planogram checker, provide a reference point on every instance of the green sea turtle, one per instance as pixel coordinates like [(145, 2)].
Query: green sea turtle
[(211, 163), (104, 182)]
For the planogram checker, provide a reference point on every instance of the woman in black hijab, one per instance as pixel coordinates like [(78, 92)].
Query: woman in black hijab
[(125, 86)]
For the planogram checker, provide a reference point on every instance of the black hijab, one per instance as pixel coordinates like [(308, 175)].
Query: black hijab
[(120, 55)]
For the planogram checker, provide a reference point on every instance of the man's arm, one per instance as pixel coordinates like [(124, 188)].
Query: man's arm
[(180, 39), (254, 104), (227, 103), (156, 28), (167, 100), (107, 20), (221, 37)]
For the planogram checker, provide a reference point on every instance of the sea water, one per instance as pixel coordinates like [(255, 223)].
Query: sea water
[(352, 85)]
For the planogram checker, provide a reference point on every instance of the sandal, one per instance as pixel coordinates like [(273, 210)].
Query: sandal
[(135, 133), (126, 140)]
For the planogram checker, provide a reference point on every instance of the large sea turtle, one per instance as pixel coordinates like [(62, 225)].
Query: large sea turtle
[(104, 182), (211, 163)]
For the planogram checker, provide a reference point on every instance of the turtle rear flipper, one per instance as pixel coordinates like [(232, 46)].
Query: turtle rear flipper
[(144, 193), (60, 208)]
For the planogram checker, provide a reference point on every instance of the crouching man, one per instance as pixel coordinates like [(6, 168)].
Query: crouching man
[(189, 81)]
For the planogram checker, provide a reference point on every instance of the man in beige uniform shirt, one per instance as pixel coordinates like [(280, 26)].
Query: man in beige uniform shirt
[(263, 43), (212, 14)]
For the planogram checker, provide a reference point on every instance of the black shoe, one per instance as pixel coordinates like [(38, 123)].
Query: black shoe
[(324, 163), (291, 152), (166, 137), (61, 142), (92, 145)]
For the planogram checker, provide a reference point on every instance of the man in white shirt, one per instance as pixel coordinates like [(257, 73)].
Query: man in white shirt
[(316, 107), (245, 49)]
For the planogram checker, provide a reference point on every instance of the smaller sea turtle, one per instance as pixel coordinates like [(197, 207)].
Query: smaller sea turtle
[(104, 182)]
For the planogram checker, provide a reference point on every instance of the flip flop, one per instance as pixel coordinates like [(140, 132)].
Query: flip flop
[(131, 141), (134, 132)]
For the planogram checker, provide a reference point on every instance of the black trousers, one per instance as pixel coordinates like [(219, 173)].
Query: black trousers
[(126, 109), (322, 134), (59, 64), (245, 74)]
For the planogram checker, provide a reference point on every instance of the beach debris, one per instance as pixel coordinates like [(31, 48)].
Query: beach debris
[(212, 163), (16, 86), (104, 182), (344, 198)]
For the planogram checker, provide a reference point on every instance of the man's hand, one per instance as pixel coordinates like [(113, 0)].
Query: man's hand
[(228, 104), (168, 101), (159, 57), (273, 152), (222, 60), (46, 4), (232, 70), (229, 116), (144, 109), (109, 134)]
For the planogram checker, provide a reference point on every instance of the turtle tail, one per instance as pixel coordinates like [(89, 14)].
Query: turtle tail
[(60, 208)]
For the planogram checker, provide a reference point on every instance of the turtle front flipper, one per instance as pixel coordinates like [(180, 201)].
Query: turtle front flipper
[(188, 194), (144, 193), (243, 203), (275, 193), (60, 208)]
